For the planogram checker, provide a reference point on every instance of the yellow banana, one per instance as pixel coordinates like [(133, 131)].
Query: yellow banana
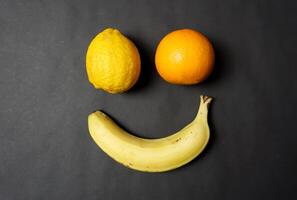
[(151, 155)]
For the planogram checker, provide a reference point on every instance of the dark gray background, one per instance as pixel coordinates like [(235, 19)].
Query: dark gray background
[(45, 148)]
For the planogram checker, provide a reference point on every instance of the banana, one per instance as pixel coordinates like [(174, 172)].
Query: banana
[(151, 155)]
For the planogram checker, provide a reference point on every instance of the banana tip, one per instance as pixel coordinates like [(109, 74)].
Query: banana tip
[(206, 99)]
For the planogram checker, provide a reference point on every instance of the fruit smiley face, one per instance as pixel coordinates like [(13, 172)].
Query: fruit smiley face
[(113, 65)]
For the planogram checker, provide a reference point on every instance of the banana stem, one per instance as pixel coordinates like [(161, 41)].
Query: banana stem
[(203, 108)]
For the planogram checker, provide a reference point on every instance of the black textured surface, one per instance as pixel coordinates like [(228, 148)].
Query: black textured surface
[(45, 148)]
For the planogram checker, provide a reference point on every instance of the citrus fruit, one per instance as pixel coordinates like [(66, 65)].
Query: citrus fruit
[(184, 57), (112, 62)]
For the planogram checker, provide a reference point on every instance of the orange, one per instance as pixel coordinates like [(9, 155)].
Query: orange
[(184, 57)]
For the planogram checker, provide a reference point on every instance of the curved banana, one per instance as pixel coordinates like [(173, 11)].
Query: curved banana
[(151, 155)]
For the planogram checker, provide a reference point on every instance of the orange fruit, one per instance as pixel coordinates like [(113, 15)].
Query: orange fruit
[(184, 57)]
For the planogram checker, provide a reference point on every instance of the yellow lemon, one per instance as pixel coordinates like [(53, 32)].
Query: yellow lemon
[(112, 62)]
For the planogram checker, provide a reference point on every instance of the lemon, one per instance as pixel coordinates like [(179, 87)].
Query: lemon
[(112, 62)]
